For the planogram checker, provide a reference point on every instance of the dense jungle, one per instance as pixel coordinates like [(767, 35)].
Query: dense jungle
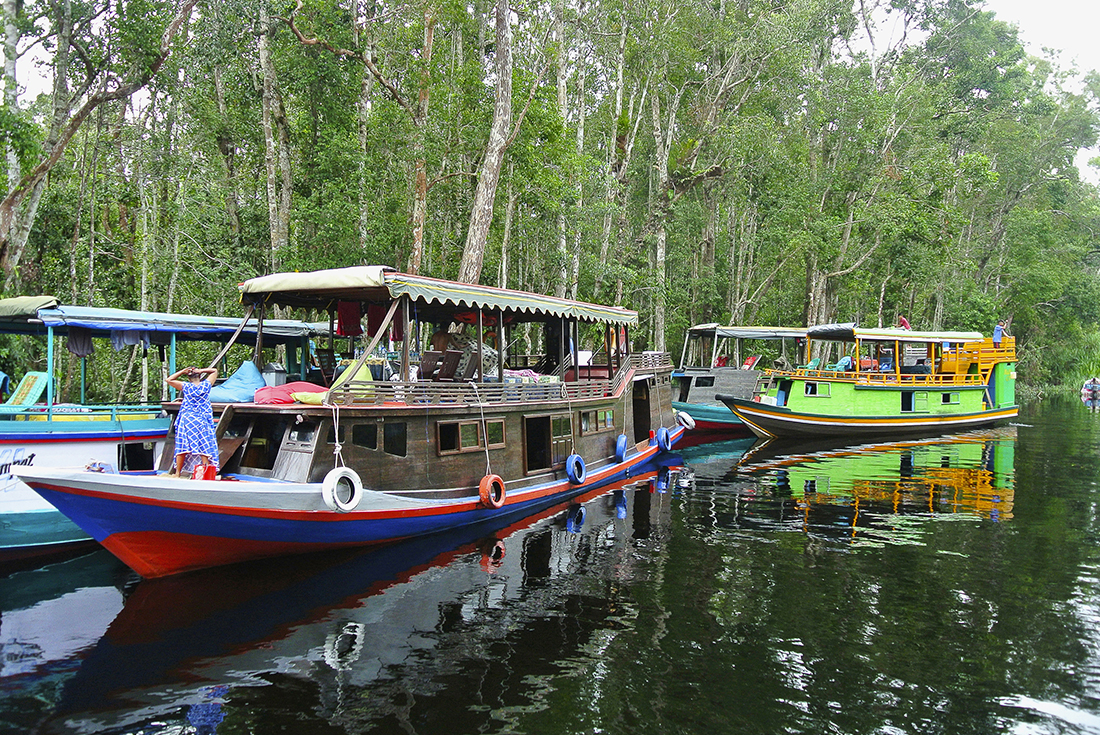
[(779, 162)]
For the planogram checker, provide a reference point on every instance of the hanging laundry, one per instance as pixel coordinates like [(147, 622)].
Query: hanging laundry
[(123, 338), (79, 341), (348, 314)]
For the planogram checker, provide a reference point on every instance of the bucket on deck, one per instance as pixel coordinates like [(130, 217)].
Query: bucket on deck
[(204, 472)]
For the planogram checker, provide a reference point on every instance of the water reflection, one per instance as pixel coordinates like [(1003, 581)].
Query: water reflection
[(947, 585), (437, 618), (859, 492)]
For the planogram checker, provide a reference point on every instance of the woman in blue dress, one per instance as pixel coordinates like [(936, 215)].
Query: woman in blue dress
[(195, 423)]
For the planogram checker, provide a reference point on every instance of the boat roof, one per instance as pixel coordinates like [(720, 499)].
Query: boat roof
[(33, 314), (382, 284), (851, 333), (748, 332)]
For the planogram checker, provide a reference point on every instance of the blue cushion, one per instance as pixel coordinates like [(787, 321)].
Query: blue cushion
[(240, 387)]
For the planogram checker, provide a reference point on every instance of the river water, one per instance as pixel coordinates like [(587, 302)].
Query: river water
[(945, 585)]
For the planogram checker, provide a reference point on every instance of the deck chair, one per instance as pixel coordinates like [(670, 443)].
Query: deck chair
[(448, 366), (811, 365), (326, 362), (429, 364), (469, 370), (26, 394), (750, 362)]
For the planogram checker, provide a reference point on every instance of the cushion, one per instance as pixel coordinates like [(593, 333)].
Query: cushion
[(314, 399), (283, 393), (240, 387)]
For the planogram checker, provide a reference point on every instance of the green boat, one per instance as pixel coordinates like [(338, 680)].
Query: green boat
[(884, 382)]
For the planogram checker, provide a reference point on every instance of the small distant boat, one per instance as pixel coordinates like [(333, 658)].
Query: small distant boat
[(713, 361), (452, 439), (885, 382), (37, 430)]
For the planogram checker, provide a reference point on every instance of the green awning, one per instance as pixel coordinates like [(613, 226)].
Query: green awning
[(25, 307)]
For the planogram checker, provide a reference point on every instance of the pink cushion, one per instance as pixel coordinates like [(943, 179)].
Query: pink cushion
[(281, 393)]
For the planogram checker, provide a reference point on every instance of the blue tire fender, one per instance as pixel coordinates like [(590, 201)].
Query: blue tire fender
[(664, 439), (622, 444), (575, 469)]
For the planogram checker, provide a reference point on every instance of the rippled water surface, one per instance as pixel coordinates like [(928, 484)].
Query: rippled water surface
[(945, 585)]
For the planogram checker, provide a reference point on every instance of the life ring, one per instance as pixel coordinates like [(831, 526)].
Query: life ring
[(574, 469), (622, 444), (664, 439), (491, 491), (333, 480), (684, 419)]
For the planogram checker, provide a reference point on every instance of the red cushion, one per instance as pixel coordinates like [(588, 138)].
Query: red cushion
[(281, 393)]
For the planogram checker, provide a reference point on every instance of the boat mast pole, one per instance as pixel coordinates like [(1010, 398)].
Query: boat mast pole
[(405, 367), (230, 343), (480, 339), (49, 371)]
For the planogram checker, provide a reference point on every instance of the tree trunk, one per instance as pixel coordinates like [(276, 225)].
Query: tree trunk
[(506, 240), (228, 148), (11, 83), (481, 217), (276, 145)]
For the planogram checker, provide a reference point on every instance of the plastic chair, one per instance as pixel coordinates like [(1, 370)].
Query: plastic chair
[(26, 394), (811, 365)]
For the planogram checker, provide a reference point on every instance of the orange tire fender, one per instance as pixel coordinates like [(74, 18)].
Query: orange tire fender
[(491, 491)]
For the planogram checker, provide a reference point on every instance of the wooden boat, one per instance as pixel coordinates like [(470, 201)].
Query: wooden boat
[(36, 430), (940, 382), (714, 361), (385, 460)]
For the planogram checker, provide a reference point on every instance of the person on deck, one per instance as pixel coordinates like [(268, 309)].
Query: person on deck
[(195, 423), (903, 322), (999, 332)]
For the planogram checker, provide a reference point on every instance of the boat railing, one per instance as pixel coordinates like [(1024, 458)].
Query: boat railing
[(940, 379), (549, 388)]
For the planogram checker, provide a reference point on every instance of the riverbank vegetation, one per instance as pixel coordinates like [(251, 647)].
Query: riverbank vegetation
[(739, 161)]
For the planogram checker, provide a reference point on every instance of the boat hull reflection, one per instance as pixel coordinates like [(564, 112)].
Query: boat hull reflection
[(970, 473), (342, 620)]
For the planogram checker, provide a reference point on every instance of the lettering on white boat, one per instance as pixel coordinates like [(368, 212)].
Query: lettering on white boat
[(12, 458)]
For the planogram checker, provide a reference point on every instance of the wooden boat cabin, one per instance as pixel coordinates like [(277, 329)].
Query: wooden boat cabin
[(449, 383)]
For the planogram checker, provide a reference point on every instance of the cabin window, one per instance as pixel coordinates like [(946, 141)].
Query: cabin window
[(365, 435), (302, 433), (949, 398), (394, 438), (914, 401), (817, 389), (466, 436), (263, 444), (594, 422), (330, 438), (704, 381), (548, 440)]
